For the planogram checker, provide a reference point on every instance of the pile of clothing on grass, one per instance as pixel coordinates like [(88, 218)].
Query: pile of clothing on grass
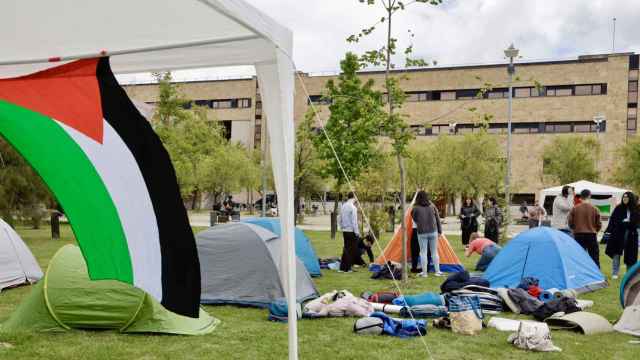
[(462, 305)]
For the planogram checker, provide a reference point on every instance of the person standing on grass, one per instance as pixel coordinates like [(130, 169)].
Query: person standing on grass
[(469, 213), (562, 205), (492, 221), (584, 220), (427, 220), (623, 233), (350, 233), (484, 247), (536, 215)]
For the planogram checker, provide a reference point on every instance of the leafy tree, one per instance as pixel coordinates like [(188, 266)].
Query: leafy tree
[(352, 127), (223, 172), (478, 163), (308, 178), (394, 125), (171, 103), (627, 173), (205, 162), (570, 158), (190, 140), (376, 181), (22, 191)]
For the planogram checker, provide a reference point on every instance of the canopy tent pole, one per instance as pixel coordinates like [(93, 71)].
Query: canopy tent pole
[(276, 81)]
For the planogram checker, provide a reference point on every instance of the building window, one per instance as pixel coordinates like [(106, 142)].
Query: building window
[(631, 124), (418, 130), (582, 128), (244, 103), (206, 103), (633, 92), (418, 96), (522, 92), (583, 90), (318, 100), (498, 94), (633, 75), (447, 95), (467, 94)]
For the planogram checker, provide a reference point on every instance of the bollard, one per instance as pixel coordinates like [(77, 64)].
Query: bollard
[(55, 225), (213, 218)]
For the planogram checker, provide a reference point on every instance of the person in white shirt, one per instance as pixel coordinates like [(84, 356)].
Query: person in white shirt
[(562, 205), (350, 233)]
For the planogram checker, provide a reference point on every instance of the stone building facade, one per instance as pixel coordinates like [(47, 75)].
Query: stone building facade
[(549, 98)]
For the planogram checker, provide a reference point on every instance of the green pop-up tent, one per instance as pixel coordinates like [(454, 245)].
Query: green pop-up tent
[(67, 299)]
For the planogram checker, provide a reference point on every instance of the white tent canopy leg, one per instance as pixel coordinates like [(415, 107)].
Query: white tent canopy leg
[(276, 81)]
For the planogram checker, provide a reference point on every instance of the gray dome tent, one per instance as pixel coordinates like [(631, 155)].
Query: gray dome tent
[(240, 264), (17, 264)]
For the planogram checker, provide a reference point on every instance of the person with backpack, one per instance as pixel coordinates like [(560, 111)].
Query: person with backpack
[(492, 221), (427, 220), (622, 233), (468, 220)]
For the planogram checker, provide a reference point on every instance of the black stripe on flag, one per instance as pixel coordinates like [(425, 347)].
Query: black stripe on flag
[(180, 265)]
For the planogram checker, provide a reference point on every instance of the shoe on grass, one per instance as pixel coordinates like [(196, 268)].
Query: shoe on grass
[(438, 274), (423, 274), (615, 277)]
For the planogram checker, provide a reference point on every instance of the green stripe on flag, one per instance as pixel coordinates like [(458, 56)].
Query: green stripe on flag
[(74, 181)]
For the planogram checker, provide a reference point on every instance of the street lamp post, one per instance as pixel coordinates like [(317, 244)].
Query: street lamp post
[(511, 53)]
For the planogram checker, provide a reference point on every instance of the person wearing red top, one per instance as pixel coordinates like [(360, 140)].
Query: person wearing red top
[(486, 248)]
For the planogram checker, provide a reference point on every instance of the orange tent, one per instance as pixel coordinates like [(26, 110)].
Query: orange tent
[(449, 261)]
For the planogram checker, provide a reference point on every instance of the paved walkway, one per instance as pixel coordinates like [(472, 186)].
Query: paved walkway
[(451, 225)]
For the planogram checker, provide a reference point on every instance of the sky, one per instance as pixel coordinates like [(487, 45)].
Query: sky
[(457, 32)]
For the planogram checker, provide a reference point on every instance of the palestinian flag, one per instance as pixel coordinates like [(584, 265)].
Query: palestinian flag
[(108, 169)]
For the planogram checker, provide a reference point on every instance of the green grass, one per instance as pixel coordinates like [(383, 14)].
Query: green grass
[(245, 333)]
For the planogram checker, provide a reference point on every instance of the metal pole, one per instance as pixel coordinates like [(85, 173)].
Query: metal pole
[(613, 41), (507, 183)]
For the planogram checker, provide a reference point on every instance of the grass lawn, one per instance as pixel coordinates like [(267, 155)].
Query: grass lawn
[(245, 333)]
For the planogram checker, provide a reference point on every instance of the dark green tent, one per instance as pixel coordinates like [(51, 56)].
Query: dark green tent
[(67, 299)]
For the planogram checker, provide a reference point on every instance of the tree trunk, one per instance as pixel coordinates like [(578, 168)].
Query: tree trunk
[(324, 203), (194, 200), (403, 230), (334, 219), (403, 196)]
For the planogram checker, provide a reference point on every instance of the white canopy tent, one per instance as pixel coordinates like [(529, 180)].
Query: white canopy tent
[(596, 189), (156, 35)]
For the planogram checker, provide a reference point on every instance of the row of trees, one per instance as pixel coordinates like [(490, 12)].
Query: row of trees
[(206, 163)]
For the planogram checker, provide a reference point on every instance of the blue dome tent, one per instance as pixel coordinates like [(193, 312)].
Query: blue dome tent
[(549, 255), (304, 250), (630, 287)]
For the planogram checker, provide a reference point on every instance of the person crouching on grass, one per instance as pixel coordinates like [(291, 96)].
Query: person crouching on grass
[(484, 247)]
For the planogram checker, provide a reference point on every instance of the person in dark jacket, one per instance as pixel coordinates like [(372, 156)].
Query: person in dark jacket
[(623, 233), (492, 221), (468, 220), (427, 220)]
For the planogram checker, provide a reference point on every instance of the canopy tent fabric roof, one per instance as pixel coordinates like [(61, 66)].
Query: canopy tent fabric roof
[(596, 189), (151, 35)]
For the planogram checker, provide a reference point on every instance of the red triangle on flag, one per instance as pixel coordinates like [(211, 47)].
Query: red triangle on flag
[(68, 93)]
